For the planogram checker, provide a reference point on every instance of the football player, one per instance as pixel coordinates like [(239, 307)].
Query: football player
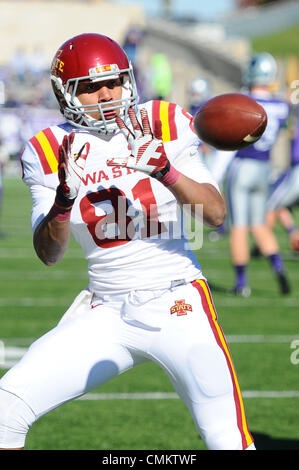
[(199, 90), (248, 180), (115, 174), (285, 190)]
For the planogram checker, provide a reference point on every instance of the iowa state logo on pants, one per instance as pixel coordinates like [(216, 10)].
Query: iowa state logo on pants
[(180, 308)]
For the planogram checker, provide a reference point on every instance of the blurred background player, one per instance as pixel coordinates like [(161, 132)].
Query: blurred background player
[(199, 91), (248, 180), (285, 190)]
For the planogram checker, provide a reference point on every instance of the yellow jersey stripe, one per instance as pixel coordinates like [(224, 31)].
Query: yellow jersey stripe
[(48, 151), (164, 105)]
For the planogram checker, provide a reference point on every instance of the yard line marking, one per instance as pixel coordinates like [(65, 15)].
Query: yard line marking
[(270, 394), (261, 338), (12, 351), (254, 302), (42, 275), (223, 302), (173, 395), (14, 344), (12, 354), (33, 302), (130, 396), (211, 275), (10, 252)]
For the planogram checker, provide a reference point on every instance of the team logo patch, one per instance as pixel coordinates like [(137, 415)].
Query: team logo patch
[(180, 308)]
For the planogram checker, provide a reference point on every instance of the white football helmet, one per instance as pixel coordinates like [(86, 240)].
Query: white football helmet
[(92, 57), (261, 70), (199, 91)]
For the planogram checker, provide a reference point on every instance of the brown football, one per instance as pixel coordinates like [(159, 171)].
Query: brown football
[(230, 122)]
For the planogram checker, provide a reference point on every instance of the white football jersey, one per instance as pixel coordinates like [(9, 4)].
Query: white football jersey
[(124, 220)]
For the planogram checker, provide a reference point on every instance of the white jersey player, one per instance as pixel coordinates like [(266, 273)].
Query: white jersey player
[(115, 175)]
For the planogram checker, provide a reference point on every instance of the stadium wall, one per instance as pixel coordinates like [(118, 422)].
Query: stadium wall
[(45, 25)]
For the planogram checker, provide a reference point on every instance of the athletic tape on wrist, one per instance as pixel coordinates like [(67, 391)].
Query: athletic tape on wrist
[(59, 213), (170, 177), (61, 209)]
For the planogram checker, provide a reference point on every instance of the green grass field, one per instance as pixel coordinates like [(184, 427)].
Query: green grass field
[(281, 43), (259, 330)]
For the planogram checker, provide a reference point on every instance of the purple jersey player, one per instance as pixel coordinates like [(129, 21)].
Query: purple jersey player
[(285, 192), (248, 181)]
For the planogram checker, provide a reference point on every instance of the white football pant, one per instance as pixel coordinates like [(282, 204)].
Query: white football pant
[(98, 340)]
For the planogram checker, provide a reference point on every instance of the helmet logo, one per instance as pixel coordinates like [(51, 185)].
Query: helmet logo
[(57, 64), (93, 72)]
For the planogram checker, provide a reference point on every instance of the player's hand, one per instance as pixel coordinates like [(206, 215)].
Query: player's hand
[(147, 149), (71, 166)]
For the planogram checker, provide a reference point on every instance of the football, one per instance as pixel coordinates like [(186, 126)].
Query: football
[(230, 121)]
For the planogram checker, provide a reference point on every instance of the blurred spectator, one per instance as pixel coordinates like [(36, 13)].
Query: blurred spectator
[(39, 63), (19, 64), (25, 88), (2, 92), (132, 41), (11, 133), (131, 45)]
